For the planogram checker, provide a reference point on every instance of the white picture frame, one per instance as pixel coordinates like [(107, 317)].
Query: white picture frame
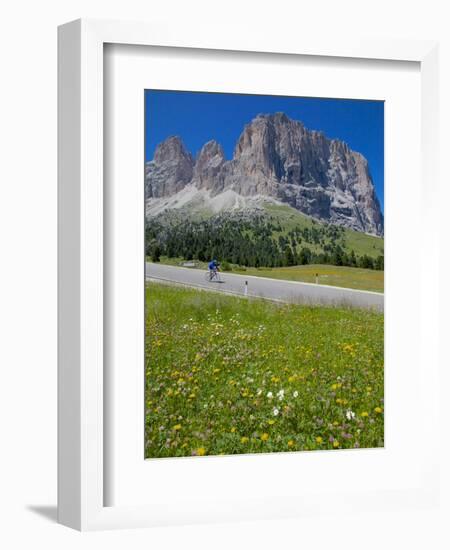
[(81, 357)]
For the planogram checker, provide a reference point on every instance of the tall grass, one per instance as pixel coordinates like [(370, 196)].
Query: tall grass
[(227, 375)]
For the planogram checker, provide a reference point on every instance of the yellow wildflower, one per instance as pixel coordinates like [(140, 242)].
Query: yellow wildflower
[(336, 443), (319, 440), (378, 410), (264, 437), (364, 414), (233, 429), (244, 439), (271, 422), (200, 451), (176, 427), (290, 443)]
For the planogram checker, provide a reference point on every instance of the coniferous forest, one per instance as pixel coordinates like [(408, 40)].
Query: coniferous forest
[(253, 239)]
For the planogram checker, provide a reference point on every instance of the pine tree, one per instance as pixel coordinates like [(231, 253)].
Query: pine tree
[(288, 256)]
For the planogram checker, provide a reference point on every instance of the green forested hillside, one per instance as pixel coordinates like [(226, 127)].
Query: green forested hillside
[(273, 236), (361, 243)]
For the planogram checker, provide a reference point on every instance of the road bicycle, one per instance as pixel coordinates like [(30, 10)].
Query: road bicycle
[(212, 276)]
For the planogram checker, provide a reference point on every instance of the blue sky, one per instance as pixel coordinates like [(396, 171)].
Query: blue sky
[(198, 117)]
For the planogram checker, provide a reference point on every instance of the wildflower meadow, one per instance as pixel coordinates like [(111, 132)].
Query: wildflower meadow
[(230, 375)]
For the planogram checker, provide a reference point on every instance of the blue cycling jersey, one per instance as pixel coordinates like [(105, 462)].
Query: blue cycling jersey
[(212, 265)]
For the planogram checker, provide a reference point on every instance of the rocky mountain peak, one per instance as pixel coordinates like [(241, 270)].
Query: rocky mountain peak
[(208, 166), (171, 150), (211, 151), (277, 157), (265, 132), (171, 169)]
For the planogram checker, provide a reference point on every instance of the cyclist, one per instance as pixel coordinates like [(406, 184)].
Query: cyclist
[(213, 267)]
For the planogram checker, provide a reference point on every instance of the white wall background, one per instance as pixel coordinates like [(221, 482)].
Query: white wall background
[(28, 270)]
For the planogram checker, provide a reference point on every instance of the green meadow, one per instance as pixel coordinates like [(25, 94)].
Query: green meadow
[(342, 276), (289, 219), (228, 375)]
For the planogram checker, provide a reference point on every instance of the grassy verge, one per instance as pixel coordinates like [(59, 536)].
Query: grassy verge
[(226, 375), (347, 277)]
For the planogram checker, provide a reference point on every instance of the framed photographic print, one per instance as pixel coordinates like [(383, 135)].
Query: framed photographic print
[(292, 366), (236, 321)]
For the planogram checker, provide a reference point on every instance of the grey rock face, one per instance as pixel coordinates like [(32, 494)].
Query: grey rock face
[(171, 169), (277, 157), (208, 171)]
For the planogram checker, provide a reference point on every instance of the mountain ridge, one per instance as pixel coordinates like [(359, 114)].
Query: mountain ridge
[(278, 158)]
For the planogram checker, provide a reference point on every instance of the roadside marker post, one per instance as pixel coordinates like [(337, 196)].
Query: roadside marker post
[(246, 288), (317, 278)]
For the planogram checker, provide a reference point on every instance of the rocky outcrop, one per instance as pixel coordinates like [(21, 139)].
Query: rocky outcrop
[(170, 170), (208, 172), (276, 157)]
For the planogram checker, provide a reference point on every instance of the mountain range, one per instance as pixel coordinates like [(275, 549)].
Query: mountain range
[(276, 159)]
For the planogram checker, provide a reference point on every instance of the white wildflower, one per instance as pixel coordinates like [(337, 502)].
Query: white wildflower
[(270, 395), (350, 415), (295, 394), (275, 412)]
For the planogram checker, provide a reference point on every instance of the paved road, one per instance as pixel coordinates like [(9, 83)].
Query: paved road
[(275, 289)]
